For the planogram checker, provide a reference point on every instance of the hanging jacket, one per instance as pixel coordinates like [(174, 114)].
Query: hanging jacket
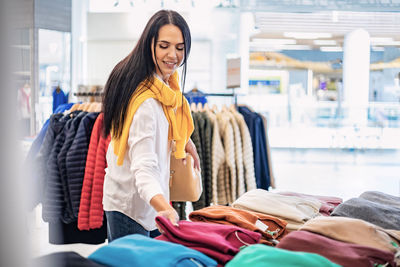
[(39, 171), (206, 134), (271, 174), (95, 165), (196, 138), (96, 212), (70, 132), (220, 242), (257, 132), (84, 206), (76, 160), (53, 203)]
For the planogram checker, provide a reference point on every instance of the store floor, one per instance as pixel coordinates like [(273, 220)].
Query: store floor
[(337, 172), (342, 173)]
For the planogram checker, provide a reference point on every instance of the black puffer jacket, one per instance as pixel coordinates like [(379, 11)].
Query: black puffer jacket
[(62, 159), (54, 202), (56, 124), (76, 161)]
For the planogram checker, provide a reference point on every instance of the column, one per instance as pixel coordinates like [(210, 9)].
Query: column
[(356, 62)]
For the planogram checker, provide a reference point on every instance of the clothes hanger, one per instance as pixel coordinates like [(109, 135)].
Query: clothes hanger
[(199, 106), (99, 107), (74, 107), (92, 107), (193, 107), (232, 108), (215, 108), (86, 106)]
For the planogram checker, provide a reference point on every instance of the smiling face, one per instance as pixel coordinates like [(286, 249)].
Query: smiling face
[(169, 52)]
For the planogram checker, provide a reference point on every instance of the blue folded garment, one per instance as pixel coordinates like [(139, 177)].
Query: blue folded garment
[(138, 250)]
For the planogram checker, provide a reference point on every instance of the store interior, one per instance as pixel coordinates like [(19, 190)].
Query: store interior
[(325, 75)]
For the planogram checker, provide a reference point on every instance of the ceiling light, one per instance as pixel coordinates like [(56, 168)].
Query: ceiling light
[(280, 46), (384, 41), (381, 39), (325, 42), (307, 35), (331, 49), (260, 41)]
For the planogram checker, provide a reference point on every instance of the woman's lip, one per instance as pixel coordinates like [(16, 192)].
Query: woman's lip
[(169, 65)]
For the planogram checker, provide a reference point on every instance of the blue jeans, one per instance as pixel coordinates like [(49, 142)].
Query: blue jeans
[(119, 225)]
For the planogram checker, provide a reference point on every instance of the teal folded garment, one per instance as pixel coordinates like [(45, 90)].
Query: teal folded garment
[(138, 250), (264, 256)]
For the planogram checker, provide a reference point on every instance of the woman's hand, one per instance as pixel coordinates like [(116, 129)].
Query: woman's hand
[(171, 215), (190, 148), (164, 209)]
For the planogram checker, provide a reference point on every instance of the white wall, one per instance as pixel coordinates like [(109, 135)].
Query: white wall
[(111, 37)]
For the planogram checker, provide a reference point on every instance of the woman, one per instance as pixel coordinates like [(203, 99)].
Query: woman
[(147, 116)]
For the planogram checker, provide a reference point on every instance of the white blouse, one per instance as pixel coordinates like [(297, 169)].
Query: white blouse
[(146, 168)]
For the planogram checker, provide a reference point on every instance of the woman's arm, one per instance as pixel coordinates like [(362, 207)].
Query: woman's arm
[(160, 204)]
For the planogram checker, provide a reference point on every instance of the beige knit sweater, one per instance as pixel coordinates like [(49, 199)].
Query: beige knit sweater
[(228, 140), (247, 151), (240, 184), (218, 160)]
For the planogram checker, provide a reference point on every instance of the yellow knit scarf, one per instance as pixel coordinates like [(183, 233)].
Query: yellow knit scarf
[(180, 119)]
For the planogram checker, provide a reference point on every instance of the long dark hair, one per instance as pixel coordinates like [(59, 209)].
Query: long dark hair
[(138, 66)]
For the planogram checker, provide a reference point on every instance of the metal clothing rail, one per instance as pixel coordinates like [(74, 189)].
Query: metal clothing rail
[(88, 93), (197, 94)]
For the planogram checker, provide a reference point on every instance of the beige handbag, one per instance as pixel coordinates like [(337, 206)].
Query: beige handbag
[(185, 181)]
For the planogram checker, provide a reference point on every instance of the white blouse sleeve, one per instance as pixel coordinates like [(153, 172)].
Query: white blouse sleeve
[(142, 141)]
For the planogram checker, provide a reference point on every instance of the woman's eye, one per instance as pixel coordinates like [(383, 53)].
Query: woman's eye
[(180, 48), (164, 46)]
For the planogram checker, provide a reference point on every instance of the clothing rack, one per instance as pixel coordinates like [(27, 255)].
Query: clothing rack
[(193, 94)]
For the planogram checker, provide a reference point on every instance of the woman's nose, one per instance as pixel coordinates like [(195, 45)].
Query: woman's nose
[(172, 53)]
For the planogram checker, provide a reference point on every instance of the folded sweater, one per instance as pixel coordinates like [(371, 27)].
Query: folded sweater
[(138, 250), (220, 242), (295, 210)]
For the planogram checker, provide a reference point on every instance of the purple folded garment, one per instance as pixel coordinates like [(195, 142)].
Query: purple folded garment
[(345, 254), (220, 242), (328, 203)]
